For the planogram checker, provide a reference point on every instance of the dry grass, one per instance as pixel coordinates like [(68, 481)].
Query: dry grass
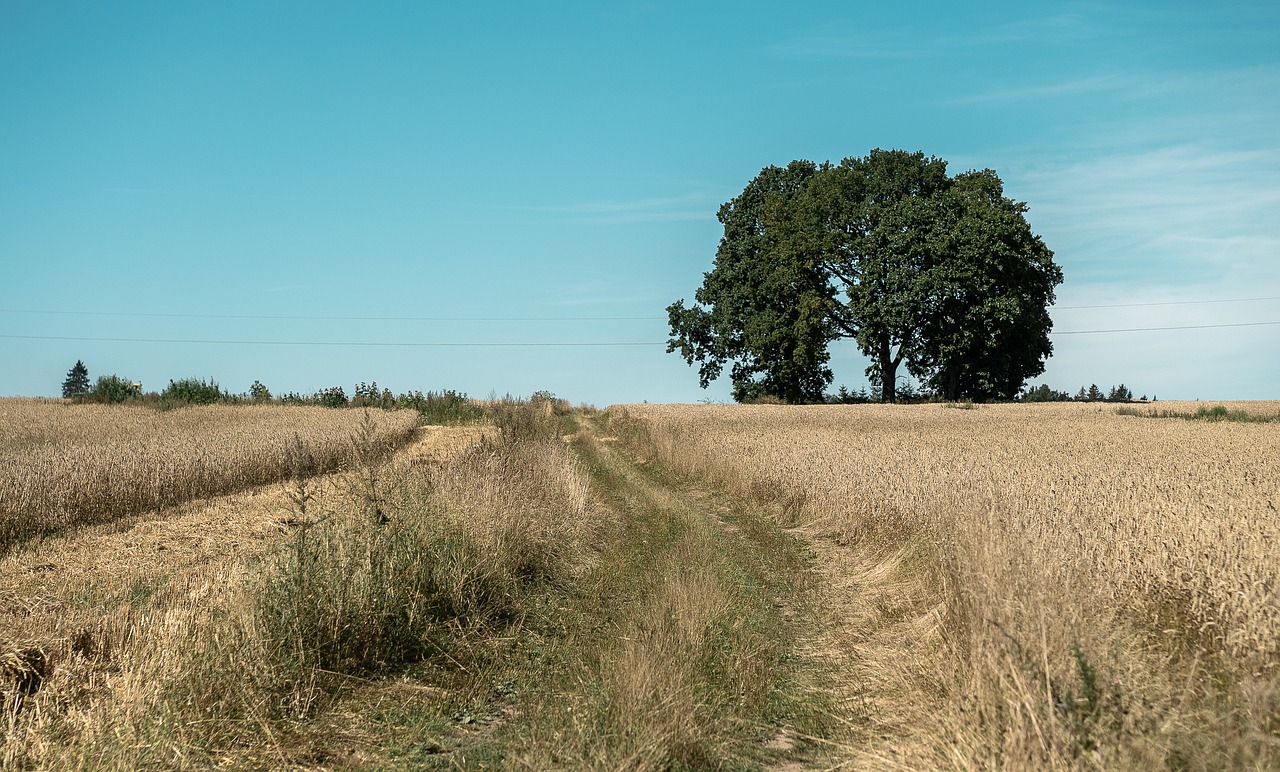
[(1071, 588), (220, 634), (64, 464)]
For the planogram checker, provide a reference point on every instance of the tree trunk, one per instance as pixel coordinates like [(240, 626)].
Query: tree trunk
[(888, 373), (953, 385)]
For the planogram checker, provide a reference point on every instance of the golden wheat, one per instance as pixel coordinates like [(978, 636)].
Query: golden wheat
[(1078, 564), (64, 464)]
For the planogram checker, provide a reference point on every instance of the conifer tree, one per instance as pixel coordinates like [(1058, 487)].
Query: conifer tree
[(77, 382)]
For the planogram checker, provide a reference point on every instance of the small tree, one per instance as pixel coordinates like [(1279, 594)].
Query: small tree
[(1095, 394), (1043, 393), (333, 396), (112, 389), (259, 393), (1120, 393), (77, 382), (193, 391)]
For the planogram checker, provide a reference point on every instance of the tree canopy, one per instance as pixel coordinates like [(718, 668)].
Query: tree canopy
[(940, 273), (758, 309)]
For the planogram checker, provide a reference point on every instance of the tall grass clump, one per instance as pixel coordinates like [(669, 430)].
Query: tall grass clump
[(413, 557), (445, 408), (358, 595), (1203, 413)]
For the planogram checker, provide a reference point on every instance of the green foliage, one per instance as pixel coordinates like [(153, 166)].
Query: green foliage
[(333, 396), (845, 397), (1203, 413), (1043, 393), (1119, 393), (448, 408), (259, 393), (355, 595), (77, 382), (519, 421), (372, 587), (193, 391), (940, 273), (984, 324), (369, 395), (760, 308), (112, 389)]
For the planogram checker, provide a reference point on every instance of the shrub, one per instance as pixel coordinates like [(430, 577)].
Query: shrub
[(193, 392), (1043, 393), (259, 393), (447, 407), (112, 389), (397, 576), (369, 395), (520, 421), (333, 396)]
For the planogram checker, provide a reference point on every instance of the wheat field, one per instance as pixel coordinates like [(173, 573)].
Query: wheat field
[(230, 631), (1071, 587), (64, 464)]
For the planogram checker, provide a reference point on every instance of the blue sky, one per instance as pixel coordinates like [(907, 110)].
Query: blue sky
[(393, 176)]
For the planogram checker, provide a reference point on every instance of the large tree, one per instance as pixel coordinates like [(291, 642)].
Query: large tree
[(940, 273), (757, 308), (986, 322)]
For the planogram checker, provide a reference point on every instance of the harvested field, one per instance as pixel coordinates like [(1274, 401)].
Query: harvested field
[(65, 464), (94, 617)]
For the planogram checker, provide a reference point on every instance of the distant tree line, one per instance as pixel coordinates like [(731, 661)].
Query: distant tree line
[(1121, 393), (908, 392), (446, 406)]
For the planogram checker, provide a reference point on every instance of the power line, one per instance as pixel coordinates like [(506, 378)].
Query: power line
[(1154, 329), (343, 318), (520, 344), (1168, 303), (282, 317), (322, 343)]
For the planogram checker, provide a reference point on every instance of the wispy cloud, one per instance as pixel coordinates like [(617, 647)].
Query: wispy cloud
[(884, 44), (1206, 88), (1054, 28), (1090, 85), (1189, 191), (1155, 224)]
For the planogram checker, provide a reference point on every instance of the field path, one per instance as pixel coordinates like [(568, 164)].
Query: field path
[(701, 638), (845, 622)]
